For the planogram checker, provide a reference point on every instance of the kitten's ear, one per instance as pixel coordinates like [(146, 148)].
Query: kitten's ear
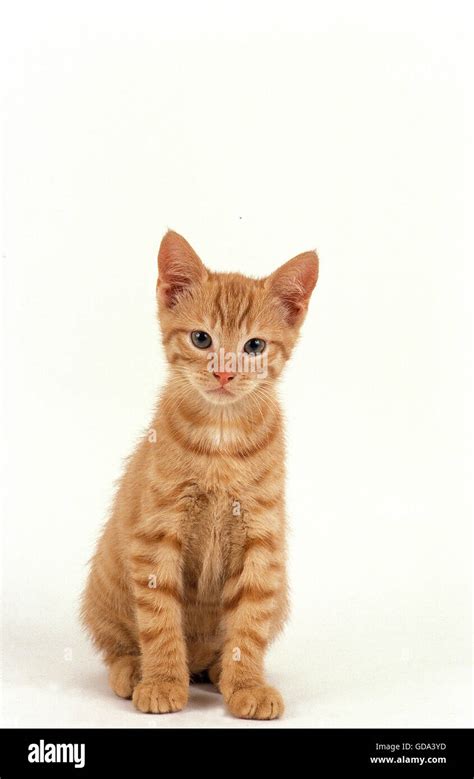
[(179, 268), (293, 283)]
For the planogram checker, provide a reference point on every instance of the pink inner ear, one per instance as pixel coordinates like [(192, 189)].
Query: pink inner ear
[(179, 268), (293, 284), (290, 293), (172, 288), (170, 294), (293, 308)]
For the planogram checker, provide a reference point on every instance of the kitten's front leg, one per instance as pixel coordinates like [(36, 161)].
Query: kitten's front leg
[(156, 565), (251, 600)]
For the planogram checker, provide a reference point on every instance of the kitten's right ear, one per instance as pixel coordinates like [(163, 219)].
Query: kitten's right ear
[(179, 268)]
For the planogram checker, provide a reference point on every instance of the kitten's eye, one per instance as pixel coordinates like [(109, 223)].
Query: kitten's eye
[(255, 346), (200, 339)]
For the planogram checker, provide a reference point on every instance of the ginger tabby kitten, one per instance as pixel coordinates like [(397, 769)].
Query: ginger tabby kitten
[(189, 574)]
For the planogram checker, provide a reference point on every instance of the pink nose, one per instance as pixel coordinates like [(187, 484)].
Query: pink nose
[(224, 377)]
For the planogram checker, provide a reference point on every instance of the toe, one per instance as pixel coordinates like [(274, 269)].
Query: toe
[(160, 697), (263, 703)]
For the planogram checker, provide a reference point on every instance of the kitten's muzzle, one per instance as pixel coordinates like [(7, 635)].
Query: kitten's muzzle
[(224, 377)]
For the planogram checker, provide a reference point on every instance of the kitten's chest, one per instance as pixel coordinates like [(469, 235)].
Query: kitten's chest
[(214, 537)]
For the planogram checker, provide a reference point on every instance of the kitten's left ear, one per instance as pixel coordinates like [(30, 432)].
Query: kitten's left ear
[(293, 283), (179, 268)]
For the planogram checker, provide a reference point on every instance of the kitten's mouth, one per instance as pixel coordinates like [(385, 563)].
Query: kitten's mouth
[(220, 391)]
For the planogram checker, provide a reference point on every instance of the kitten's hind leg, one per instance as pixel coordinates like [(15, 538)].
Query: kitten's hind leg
[(208, 676), (124, 674), (214, 673)]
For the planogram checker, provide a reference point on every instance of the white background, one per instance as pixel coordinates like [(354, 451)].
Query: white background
[(258, 130)]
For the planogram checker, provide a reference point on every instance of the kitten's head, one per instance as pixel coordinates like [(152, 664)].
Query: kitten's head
[(227, 335)]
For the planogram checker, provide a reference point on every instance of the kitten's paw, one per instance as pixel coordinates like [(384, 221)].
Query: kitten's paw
[(256, 703), (160, 697), (124, 674)]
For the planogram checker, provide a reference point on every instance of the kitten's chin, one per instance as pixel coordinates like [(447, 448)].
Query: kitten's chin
[(220, 396)]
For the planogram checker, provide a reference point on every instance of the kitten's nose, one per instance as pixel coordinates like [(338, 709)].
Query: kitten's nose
[(224, 377)]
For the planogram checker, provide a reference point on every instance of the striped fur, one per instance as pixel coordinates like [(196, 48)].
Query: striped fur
[(189, 574)]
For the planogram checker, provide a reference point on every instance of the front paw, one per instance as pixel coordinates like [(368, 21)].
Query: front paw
[(256, 703), (160, 697)]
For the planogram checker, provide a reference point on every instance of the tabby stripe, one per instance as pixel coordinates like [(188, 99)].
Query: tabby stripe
[(276, 567), (262, 475), (142, 559), (261, 445), (203, 422), (145, 604), (172, 333), (159, 537), (175, 358), (206, 449), (268, 503), (245, 312), (217, 301), (179, 438), (162, 589), (252, 636), (264, 615), (260, 542), (247, 594), (161, 501), (166, 633), (169, 643)]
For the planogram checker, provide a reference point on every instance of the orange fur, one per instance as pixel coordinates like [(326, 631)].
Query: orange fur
[(189, 574)]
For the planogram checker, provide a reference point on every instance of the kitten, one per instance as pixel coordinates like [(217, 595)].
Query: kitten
[(189, 574)]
